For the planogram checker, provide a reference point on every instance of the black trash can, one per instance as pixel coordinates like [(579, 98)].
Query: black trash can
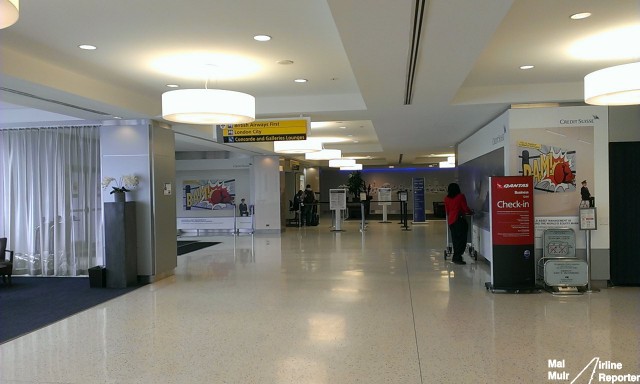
[(439, 209), (97, 277)]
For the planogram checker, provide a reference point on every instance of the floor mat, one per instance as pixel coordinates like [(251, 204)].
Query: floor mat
[(31, 303), (190, 246)]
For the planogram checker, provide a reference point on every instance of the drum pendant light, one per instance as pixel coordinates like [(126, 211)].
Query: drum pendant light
[(9, 12), (619, 85), (208, 106)]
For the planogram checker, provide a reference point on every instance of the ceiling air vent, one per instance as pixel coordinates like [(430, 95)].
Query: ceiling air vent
[(416, 31), (31, 96)]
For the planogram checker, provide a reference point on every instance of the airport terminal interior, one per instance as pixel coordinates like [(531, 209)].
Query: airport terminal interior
[(127, 128), (312, 305)]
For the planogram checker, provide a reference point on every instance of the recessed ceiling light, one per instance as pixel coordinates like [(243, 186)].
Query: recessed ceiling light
[(172, 85), (300, 80), (261, 37), (285, 62), (343, 127), (200, 66), (580, 16), (355, 141), (87, 47), (117, 117), (526, 66)]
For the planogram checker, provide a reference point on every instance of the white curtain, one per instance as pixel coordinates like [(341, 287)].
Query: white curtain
[(51, 201)]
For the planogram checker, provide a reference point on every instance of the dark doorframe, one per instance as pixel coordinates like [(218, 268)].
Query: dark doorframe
[(624, 205)]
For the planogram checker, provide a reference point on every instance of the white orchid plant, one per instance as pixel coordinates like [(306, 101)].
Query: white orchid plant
[(125, 184)]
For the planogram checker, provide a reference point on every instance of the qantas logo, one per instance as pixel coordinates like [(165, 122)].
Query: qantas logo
[(506, 186)]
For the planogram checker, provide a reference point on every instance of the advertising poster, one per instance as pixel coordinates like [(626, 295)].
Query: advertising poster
[(212, 194), (418, 200), (553, 169), (512, 232), (559, 159)]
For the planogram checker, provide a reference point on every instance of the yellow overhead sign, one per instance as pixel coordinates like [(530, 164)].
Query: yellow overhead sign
[(271, 130)]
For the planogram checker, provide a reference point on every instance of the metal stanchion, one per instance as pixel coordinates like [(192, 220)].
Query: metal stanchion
[(404, 214), (363, 225), (235, 221), (588, 222), (384, 214), (590, 289), (338, 221)]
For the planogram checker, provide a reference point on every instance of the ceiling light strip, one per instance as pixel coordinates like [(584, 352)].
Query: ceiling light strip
[(356, 167), (337, 163), (325, 154), (297, 146)]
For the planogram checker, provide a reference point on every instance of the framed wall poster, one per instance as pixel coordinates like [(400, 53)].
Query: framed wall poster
[(209, 194)]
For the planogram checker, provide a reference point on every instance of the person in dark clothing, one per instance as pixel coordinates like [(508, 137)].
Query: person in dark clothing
[(307, 208), (296, 207), (244, 211), (297, 199), (584, 191), (455, 204), (586, 195)]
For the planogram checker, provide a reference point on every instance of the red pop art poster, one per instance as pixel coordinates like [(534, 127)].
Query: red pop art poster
[(553, 169)]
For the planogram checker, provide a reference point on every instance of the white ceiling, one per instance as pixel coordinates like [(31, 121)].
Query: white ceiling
[(353, 52)]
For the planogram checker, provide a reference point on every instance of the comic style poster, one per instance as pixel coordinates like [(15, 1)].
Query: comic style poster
[(213, 194), (553, 168)]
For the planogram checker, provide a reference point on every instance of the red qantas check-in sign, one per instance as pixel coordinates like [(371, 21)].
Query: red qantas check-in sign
[(512, 233), (512, 210)]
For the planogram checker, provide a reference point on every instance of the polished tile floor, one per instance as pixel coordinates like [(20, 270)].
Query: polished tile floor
[(315, 306)]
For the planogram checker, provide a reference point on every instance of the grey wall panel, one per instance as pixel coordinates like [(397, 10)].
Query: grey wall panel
[(624, 123), (124, 147), (164, 205)]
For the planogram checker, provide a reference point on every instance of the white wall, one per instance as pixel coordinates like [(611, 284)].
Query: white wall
[(257, 180), (489, 138), (144, 149), (265, 187), (395, 178), (206, 169), (595, 118)]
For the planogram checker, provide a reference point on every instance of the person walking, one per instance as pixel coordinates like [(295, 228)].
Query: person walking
[(296, 207), (455, 204), (307, 207)]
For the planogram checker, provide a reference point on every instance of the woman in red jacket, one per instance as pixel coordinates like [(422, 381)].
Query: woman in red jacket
[(456, 206)]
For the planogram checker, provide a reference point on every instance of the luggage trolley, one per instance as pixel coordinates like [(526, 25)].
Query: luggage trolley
[(448, 251)]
